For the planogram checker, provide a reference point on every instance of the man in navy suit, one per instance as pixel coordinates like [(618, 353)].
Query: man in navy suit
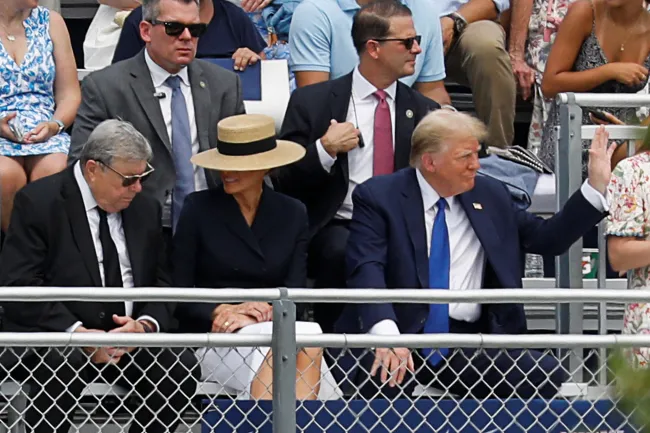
[(353, 128), (436, 225)]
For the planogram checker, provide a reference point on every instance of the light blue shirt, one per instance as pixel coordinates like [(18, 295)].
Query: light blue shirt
[(448, 6), (321, 39)]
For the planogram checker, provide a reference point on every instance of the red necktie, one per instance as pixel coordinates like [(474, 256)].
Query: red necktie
[(383, 139)]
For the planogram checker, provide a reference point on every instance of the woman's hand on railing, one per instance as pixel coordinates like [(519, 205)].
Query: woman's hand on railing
[(229, 321), (260, 311)]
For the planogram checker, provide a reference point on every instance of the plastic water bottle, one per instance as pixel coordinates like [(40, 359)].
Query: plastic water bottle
[(534, 266)]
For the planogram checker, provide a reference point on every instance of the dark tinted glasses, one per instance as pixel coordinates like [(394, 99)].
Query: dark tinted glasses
[(174, 28), (128, 181), (408, 42)]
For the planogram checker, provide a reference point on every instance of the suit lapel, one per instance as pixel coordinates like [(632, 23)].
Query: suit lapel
[(413, 211), (143, 88), (236, 222), (264, 221), (480, 219), (404, 126), (339, 103), (202, 111), (79, 225), (135, 236), (202, 106)]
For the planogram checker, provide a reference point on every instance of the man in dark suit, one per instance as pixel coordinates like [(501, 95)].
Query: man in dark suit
[(89, 227), (174, 100), (436, 225), (354, 127)]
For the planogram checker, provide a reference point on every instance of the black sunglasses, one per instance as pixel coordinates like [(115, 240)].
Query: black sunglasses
[(128, 181), (174, 28), (408, 42)]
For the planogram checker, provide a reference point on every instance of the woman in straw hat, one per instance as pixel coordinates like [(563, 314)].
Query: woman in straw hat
[(244, 234)]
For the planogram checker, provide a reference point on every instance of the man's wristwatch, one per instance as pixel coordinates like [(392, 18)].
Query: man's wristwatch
[(460, 23), (60, 124)]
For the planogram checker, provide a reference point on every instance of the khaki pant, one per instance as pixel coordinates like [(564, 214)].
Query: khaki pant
[(479, 60)]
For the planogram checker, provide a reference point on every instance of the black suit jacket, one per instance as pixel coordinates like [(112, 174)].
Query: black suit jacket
[(49, 244), (307, 119), (215, 247)]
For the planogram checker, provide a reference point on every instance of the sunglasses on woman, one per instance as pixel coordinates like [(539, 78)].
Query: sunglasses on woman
[(130, 180), (174, 28), (408, 42)]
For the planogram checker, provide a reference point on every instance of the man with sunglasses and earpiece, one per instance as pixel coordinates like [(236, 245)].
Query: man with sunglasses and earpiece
[(355, 127), (321, 47), (89, 226), (173, 99)]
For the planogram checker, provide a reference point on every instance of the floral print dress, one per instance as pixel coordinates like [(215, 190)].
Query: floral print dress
[(543, 26), (28, 89), (629, 216)]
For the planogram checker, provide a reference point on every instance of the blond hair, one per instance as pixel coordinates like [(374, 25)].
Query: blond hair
[(440, 126)]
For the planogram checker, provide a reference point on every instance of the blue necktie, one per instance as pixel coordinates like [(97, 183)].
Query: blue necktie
[(181, 149), (439, 265)]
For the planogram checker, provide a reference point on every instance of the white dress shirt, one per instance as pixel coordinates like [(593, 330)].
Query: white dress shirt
[(117, 234), (467, 255), (361, 113), (159, 76)]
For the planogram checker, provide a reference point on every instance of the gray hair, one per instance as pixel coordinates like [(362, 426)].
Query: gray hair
[(151, 8), (113, 139), (438, 128)]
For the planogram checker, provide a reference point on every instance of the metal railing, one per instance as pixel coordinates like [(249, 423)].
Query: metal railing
[(568, 154), (286, 344)]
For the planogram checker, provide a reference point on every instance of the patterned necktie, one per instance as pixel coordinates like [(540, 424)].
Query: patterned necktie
[(439, 266), (383, 161), (181, 149)]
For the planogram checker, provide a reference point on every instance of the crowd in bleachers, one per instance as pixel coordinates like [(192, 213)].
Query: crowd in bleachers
[(151, 174)]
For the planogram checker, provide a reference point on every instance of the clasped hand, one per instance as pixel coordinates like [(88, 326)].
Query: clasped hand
[(112, 355), (231, 318)]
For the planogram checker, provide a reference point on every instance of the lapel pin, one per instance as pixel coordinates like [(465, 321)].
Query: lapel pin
[(478, 206), (409, 114), (202, 84)]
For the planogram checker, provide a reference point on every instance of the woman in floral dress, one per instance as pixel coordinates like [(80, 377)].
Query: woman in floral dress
[(628, 246)]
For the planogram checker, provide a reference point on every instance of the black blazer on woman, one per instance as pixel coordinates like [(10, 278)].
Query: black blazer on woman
[(215, 247)]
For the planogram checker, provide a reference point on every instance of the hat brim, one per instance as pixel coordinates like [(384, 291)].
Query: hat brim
[(284, 153)]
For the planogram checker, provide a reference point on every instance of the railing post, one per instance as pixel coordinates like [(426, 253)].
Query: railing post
[(284, 365), (568, 180)]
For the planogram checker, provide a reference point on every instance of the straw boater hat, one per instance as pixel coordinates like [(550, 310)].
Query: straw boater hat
[(248, 142)]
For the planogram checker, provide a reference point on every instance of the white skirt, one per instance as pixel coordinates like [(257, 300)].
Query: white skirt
[(234, 368)]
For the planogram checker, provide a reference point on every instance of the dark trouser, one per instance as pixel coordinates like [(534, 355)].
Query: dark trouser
[(327, 266), (164, 379), (472, 373)]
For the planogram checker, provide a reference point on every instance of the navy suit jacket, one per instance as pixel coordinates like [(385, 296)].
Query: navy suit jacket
[(214, 247), (387, 247)]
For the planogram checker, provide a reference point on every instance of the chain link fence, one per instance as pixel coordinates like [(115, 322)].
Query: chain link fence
[(286, 377)]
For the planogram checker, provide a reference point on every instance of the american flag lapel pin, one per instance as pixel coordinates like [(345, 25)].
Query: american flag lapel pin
[(478, 206)]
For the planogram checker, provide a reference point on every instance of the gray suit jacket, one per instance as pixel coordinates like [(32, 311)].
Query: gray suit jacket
[(125, 91)]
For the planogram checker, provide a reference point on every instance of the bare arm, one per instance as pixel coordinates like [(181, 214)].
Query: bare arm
[(558, 76), (477, 10), (627, 253), (67, 94), (434, 90), (305, 78), (125, 5), (520, 17)]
